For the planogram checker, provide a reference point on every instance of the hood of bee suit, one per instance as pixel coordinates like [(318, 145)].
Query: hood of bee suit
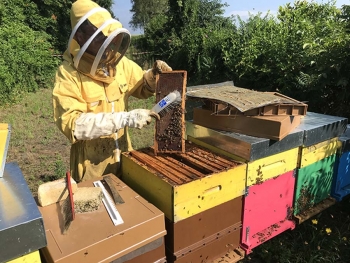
[(97, 42)]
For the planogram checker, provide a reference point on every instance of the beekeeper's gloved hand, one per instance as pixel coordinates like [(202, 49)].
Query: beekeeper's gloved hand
[(94, 125), (140, 117), (150, 75)]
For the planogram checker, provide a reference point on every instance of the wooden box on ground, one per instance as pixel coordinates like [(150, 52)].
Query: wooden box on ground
[(313, 185), (271, 127), (193, 232), (267, 210), (341, 178), (92, 237), (170, 129), (183, 185)]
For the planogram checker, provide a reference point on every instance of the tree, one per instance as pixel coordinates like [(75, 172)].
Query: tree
[(32, 34), (53, 17), (26, 55), (191, 36), (143, 11), (303, 53)]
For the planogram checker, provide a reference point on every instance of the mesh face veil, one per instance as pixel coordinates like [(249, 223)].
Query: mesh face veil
[(97, 50)]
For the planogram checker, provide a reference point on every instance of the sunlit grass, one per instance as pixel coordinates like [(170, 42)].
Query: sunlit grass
[(39, 148)]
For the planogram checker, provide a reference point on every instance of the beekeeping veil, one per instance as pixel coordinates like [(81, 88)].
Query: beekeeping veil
[(97, 42)]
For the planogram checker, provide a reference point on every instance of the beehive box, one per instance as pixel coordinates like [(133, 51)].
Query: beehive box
[(262, 169), (270, 127), (170, 129), (313, 129), (313, 185), (21, 224), (153, 252), (195, 230), (288, 106), (92, 237), (242, 146), (231, 100), (319, 151), (32, 257), (321, 127), (221, 248), (268, 209), (272, 166), (341, 178), (183, 185)]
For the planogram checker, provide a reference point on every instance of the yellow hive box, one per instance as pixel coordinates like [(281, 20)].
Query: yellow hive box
[(272, 166), (33, 257), (317, 152), (5, 131), (154, 178), (265, 168)]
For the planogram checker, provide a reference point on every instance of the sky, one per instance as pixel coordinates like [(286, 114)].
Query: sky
[(121, 9)]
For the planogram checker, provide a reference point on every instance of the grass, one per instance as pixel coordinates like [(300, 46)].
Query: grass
[(324, 238), (42, 153), (35, 143), (39, 148)]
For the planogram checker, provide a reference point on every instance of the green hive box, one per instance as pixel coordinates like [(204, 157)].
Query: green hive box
[(313, 184)]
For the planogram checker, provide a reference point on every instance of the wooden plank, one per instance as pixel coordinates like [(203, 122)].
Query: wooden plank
[(186, 167), (199, 164), (157, 167), (207, 160), (218, 159), (166, 157)]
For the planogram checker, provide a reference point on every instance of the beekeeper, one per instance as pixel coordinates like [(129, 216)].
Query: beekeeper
[(92, 87)]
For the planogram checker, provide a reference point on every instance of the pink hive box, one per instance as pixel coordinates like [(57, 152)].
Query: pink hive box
[(267, 210)]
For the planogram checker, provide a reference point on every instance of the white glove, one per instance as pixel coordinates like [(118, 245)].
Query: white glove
[(94, 125), (149, 76), (138, 118)]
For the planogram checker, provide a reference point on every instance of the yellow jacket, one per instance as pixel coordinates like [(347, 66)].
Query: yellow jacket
[(75, 93)]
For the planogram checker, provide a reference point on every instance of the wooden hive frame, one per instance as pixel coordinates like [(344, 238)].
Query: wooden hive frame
[(170, 129)]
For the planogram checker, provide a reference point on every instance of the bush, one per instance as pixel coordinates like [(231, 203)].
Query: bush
[(26, 60), (26, 63), (191, 36), (303, 53)]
